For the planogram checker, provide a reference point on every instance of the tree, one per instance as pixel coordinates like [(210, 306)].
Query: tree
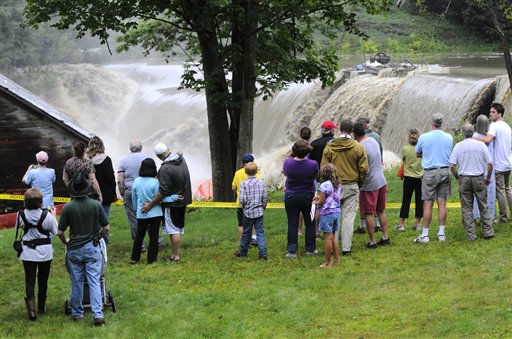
[(500, 13), (493, 18), (21, 48), (263, 45)]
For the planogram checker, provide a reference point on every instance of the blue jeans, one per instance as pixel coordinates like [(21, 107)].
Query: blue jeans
[(106, 208), (295, 203), (85, 260), (245, 241)]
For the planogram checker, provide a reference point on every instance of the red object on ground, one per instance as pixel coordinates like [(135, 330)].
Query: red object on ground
[(9, 220), (204, 190)]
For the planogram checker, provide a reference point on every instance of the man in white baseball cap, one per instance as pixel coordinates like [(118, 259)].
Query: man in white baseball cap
[(174, 178)]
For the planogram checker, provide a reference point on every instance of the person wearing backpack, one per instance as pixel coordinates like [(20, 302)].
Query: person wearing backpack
[(38, 225)]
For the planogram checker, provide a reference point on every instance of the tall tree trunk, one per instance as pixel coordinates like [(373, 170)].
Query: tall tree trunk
[(244, 75), (216, 91), (237, 84), (504, 39), (218, 125), (250, 45)]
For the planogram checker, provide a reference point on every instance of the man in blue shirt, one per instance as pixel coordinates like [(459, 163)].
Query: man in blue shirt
[(41, 177), (434, 148)]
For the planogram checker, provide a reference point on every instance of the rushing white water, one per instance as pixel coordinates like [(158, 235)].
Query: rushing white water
[(126, 101), (421, 96)]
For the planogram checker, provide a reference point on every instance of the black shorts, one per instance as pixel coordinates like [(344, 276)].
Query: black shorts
[(240, 216), (178, 216)]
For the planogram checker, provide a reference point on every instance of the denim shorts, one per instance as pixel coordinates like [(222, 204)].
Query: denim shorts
[(329, 223)]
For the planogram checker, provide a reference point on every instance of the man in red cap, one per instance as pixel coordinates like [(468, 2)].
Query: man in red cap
[(319, 144)]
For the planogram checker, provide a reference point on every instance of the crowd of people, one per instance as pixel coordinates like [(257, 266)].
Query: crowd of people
[(151, 198), (327, 181)]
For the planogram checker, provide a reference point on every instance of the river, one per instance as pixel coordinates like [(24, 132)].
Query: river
[(141, 100)]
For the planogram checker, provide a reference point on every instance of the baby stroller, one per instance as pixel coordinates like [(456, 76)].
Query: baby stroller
[(106, 296)]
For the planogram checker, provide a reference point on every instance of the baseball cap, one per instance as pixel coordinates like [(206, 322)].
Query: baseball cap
[(42, 156), (437, 119), (160, 148), (247, 157), (363, 120), (329, 125)]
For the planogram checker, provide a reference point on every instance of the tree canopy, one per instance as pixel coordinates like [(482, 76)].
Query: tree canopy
[(492, 19), (237, 50)]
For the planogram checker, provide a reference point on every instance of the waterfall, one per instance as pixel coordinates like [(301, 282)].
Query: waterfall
[(423, 95), (125, 101)]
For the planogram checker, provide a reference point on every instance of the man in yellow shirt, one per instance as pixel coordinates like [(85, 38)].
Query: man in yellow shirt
[(239, 177)]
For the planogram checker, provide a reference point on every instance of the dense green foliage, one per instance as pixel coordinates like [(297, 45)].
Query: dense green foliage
[(473, 14), (492, 19), (399, 32), (23, 49)]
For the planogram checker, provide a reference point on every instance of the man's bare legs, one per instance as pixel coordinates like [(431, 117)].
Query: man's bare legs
[(427, 213), (441, 217), (427, 219), (370, 227), (383, 220), (175, 244)]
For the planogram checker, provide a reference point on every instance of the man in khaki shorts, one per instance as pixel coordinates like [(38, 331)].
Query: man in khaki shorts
[(434, 148)]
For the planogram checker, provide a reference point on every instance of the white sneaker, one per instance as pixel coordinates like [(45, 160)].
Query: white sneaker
[(441, 237), (291, 255), (400, 228), (417, 227), (422, 240)]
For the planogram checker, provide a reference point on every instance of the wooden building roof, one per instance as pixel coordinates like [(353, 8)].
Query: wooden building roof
[(28, 125)]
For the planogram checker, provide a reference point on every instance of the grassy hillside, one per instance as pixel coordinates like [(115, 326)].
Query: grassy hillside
[(406, 33)]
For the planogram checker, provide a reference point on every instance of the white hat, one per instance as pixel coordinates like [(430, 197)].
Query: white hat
[(42, 156), (160, 148)]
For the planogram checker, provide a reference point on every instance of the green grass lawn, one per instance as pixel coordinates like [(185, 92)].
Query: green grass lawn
[(454, 289)]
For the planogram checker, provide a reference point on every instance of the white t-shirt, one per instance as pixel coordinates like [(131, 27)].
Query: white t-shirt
[(471, 156), (502, 142), (41, 252)]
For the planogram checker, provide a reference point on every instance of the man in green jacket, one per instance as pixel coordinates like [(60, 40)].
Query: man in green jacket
[(351, 162)]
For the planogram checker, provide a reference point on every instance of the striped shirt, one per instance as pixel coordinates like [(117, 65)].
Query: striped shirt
[(253, 197)]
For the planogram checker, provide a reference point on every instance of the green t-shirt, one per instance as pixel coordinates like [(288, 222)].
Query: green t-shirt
[(412, 164), (83, 216)]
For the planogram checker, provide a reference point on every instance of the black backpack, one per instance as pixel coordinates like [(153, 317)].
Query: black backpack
[(36, 242)]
